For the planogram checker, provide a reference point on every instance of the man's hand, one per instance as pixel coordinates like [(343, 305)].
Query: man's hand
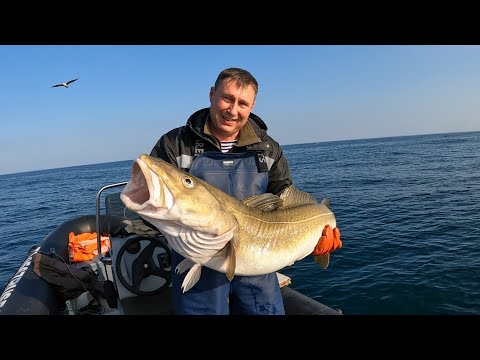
[(328, 242)]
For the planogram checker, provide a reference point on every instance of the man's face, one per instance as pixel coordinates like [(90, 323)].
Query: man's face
[(230, 107)]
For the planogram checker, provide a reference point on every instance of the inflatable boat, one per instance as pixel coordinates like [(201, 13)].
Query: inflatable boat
[(130, 277)]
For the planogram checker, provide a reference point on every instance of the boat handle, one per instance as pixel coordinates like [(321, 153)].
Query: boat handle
[(103, 259)]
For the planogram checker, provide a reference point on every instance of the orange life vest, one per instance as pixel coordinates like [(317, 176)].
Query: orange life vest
[(84, 246)]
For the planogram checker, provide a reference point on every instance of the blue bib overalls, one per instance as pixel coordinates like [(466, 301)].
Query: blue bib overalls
[(239, 176)]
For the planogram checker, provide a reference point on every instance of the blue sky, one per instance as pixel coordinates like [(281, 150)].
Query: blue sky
[(127, 96)]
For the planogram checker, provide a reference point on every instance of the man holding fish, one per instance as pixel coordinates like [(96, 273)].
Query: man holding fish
[(227, 146)]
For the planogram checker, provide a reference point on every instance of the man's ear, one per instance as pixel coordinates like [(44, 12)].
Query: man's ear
[(212, 90)]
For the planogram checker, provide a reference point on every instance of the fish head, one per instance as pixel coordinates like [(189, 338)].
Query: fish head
[(172, 199)]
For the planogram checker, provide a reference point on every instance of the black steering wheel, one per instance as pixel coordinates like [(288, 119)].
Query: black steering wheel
[(144, 265)]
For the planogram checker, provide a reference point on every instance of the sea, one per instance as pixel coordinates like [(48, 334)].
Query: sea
[(408, 210)]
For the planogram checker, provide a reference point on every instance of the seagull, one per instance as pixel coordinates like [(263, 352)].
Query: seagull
[(66, 83)]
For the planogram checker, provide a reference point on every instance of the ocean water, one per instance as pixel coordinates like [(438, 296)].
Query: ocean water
[(408, 209)]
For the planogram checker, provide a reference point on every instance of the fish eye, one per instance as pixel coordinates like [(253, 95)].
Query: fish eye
[(188, 182)]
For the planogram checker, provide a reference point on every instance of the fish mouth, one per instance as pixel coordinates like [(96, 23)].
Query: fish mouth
[(146, 193)]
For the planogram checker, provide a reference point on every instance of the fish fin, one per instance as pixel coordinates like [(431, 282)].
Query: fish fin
[(326, 202), (293, 197), (265, 201), (231, 260), (323, 260), (192, 277), (184, 265)]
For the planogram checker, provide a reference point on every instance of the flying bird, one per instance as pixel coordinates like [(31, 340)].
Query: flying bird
[(66, 83)]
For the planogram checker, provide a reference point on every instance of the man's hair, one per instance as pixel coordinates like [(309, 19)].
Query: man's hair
[(241, 77)]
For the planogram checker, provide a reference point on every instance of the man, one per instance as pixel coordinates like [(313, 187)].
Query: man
[(228, 146)]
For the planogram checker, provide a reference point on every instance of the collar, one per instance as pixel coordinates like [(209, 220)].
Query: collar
[(247, 135)]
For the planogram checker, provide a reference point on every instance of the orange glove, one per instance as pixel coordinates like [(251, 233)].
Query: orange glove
[(328, 242)]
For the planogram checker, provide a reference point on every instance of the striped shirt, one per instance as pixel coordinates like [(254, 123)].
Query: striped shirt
[(227, 145)]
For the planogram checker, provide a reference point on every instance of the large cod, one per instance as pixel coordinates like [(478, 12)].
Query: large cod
[(257, 235)]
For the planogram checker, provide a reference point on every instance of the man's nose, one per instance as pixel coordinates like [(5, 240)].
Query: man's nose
[(233, 108)]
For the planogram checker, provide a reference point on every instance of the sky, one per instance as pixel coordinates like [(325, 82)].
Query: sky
[(127, 96)]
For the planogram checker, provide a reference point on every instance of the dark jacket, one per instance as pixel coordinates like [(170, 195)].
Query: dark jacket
[(180, 145)]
